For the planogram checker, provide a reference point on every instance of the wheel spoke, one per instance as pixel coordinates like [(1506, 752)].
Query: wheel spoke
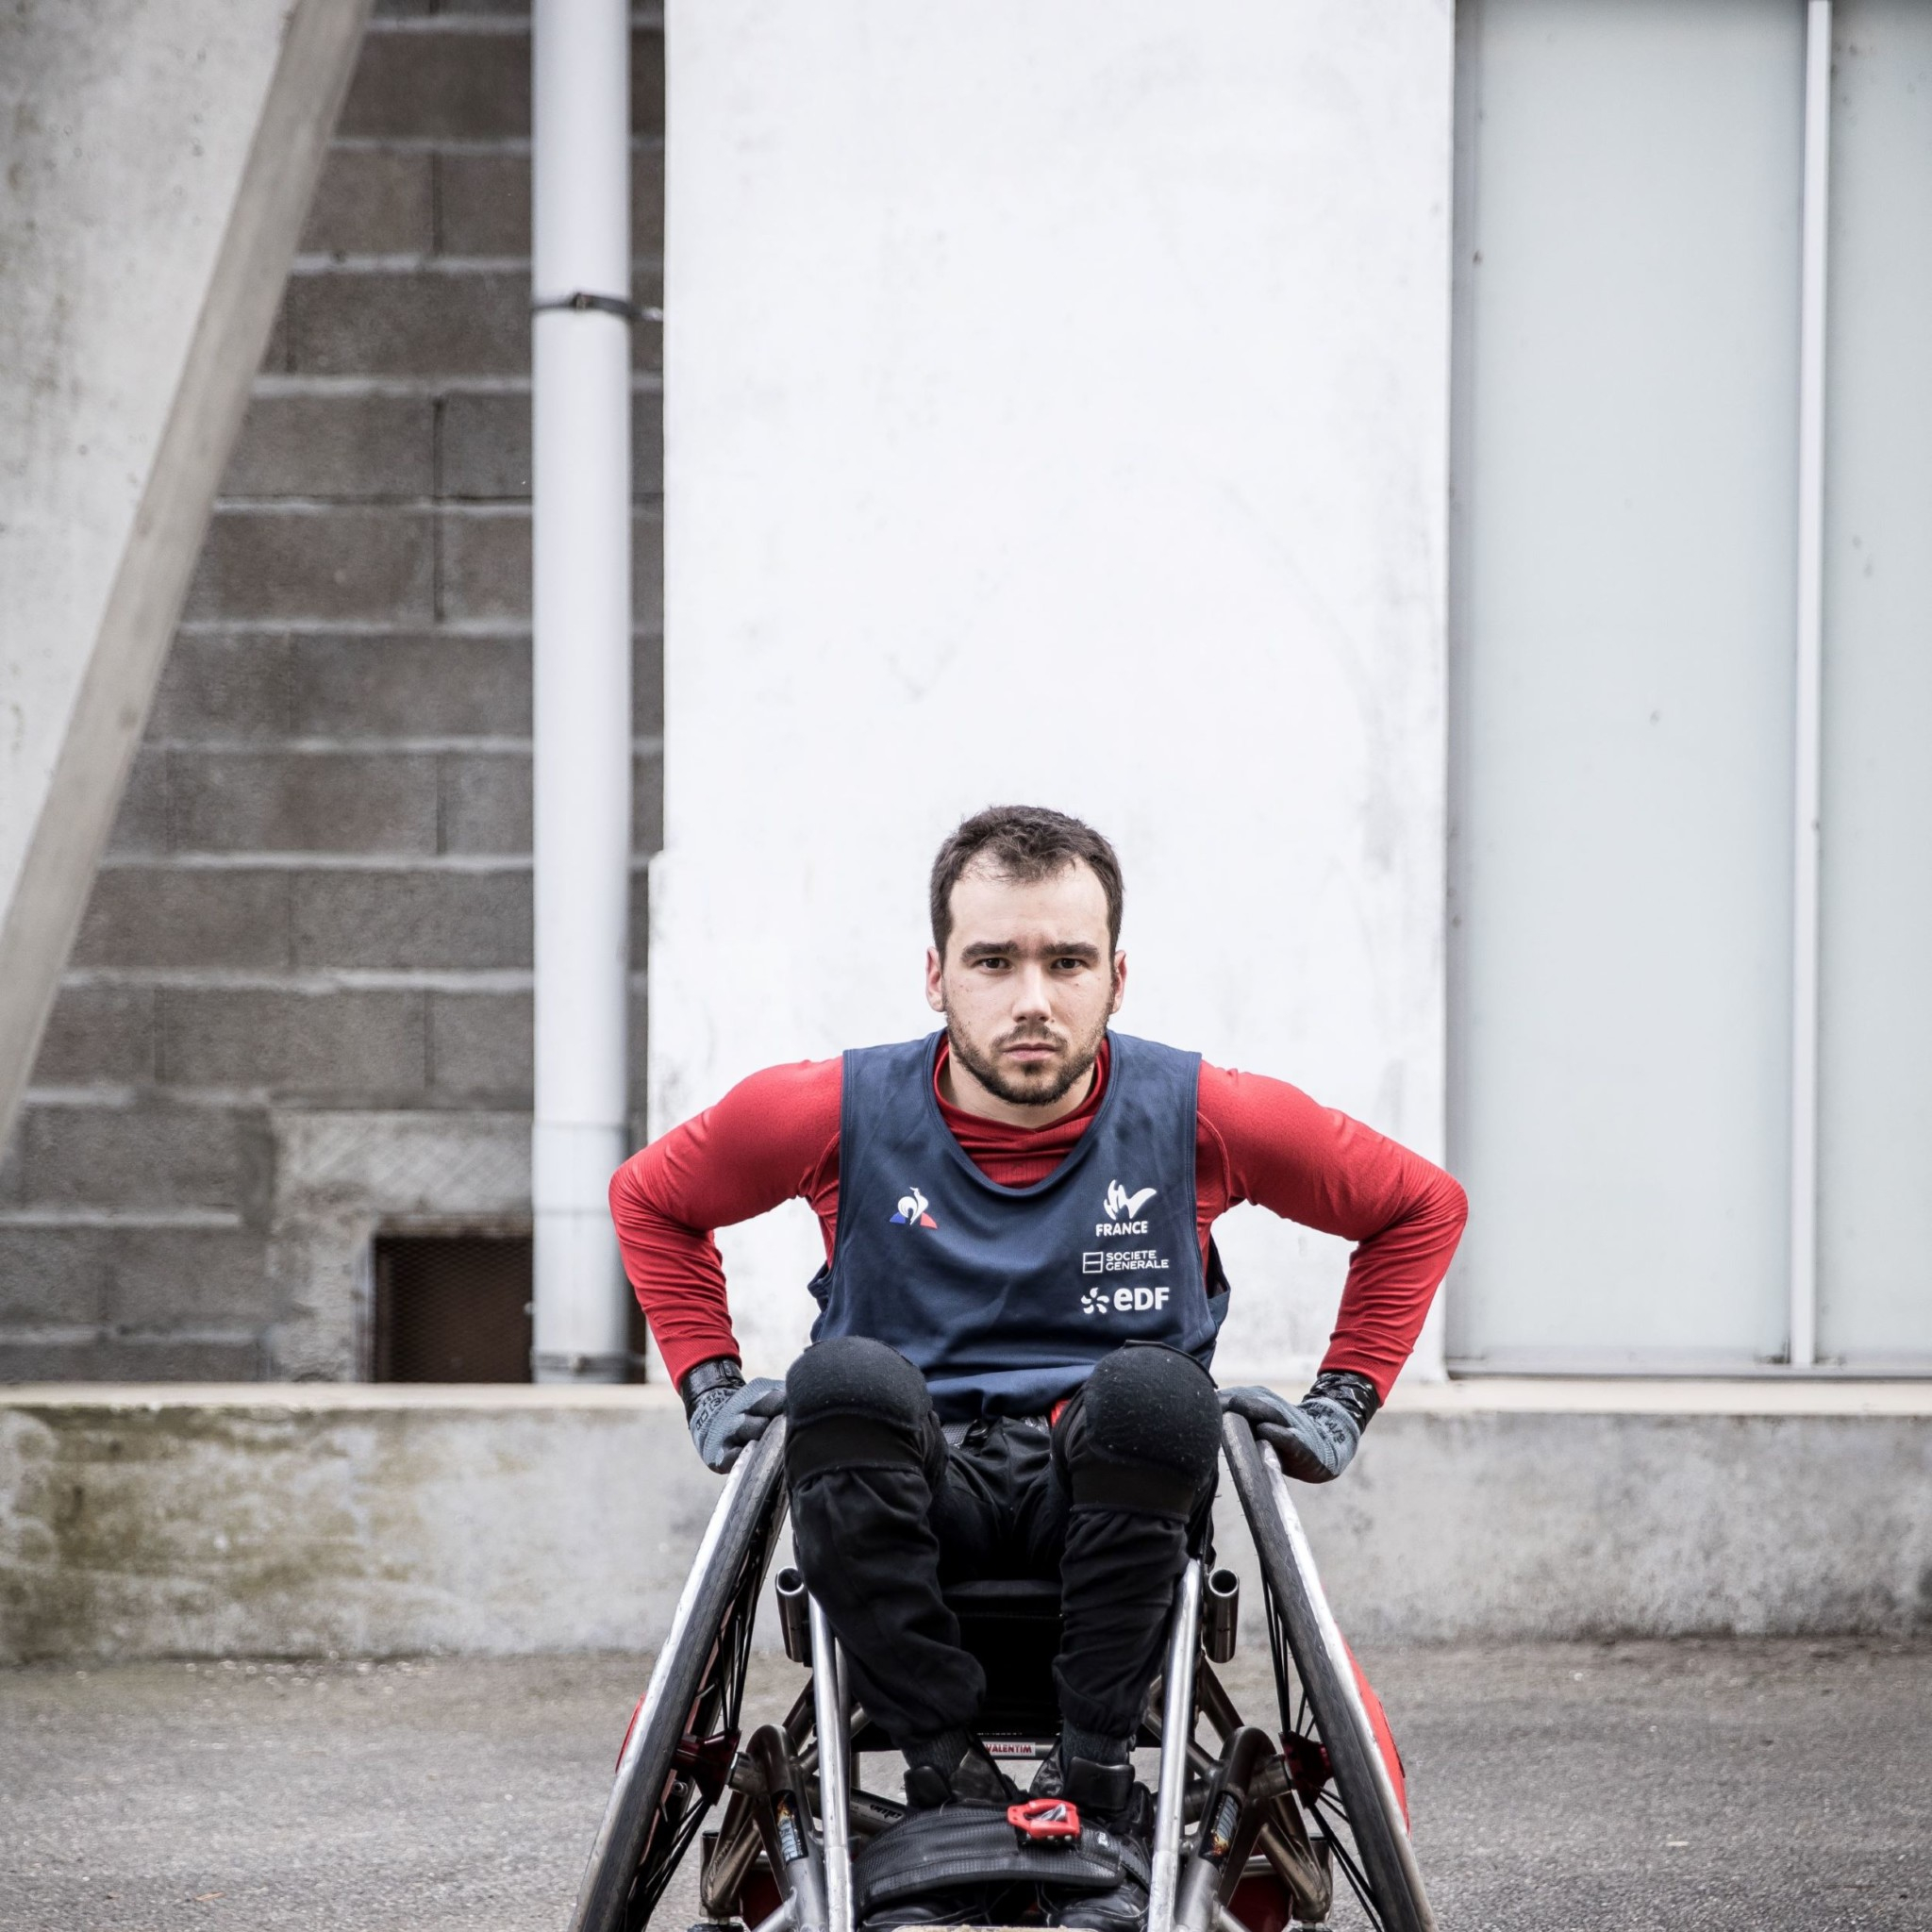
[(1357, 1879)]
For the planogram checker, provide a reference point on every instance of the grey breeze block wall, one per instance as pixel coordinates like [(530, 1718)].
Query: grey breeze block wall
[(299, 1008)]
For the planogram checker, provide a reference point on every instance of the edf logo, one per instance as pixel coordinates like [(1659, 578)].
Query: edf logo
[(1123, 1301)]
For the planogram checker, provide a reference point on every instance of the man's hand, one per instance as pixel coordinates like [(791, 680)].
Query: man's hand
[(1315, 1439), (725, 1412)]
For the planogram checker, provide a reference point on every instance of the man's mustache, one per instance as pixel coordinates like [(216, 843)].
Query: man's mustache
[(1031, 1038)]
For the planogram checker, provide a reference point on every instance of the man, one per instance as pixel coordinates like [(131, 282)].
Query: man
[(1018, 1308)]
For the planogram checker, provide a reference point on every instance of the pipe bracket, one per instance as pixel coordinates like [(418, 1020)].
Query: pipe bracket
[(608, 305)]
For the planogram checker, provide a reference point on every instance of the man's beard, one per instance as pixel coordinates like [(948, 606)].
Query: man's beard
[(1052, 1083)]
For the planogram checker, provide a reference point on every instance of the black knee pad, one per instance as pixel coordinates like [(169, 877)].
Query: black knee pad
[(1151, 1431), (853, 1403)]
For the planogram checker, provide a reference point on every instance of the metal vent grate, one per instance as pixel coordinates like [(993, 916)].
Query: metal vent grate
[(452, 1309), (456, 1307)]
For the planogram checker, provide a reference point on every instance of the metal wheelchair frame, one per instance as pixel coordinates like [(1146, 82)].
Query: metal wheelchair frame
[(1253, 1818)]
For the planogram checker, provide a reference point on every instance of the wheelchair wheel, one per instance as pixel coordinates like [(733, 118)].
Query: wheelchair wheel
[(1349, 1786), (684, 1733)]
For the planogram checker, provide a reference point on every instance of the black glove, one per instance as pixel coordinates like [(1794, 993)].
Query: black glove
[(725, 1412), (1314, 1438)]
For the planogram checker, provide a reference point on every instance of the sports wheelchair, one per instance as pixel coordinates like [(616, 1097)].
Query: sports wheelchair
[(1247, 1836)]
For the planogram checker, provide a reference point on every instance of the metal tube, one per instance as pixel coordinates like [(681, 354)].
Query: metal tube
[(1806, 764), (731, 1860), (1177, 1727), (1294, 1862), (794, 1616), (791, 1845), (835, 1770), (1221, 1616), (1231, 1819), (581, 782), (1217, 1707), (782, 1918)]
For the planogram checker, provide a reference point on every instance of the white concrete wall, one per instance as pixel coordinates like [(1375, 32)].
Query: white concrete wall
[(158, 157), (1056, 409)]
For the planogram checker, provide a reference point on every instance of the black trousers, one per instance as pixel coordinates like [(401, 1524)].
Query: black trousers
[(878, 1536)]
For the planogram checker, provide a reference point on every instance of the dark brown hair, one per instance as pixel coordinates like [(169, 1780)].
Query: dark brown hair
[(1024, 842)]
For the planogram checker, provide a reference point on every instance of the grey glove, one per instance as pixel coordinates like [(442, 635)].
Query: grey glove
[(1314, 1438), (725, 1412)]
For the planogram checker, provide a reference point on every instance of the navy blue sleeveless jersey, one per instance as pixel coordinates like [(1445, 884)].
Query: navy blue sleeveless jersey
[(1005, 1297)]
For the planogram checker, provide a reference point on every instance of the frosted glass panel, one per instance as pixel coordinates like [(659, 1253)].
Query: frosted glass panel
[(1875, 1032), (1620, 894)]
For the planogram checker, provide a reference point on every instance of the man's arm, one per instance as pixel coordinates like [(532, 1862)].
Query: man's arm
[(772, 1139), (1311, 1164)]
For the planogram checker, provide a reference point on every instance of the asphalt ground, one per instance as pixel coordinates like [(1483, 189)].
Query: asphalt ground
[(1556, 1787)]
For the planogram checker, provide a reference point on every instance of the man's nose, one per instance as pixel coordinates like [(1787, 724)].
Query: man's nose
[(1031, 994)]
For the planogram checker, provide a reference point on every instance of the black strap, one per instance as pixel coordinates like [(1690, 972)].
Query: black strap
[(1347, 1389), (718, 1371), (847, 1442), (1136, 1486), (958, 1845)]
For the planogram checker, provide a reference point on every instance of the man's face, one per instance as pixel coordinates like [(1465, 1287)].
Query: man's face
[(1028, 981)]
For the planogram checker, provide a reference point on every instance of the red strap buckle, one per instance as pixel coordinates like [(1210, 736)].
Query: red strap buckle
[(1045, 1818)]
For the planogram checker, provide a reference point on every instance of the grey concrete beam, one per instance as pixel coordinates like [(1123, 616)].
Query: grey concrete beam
[(389, 1518), (161, 155)]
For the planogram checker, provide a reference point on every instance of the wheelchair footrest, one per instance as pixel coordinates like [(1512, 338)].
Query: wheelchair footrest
[(961, 1846)]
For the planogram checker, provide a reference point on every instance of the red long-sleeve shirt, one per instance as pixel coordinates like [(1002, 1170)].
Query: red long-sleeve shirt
[(774, 1137)]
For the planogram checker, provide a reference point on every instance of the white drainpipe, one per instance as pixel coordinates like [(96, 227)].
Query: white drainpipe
[(581, 490)]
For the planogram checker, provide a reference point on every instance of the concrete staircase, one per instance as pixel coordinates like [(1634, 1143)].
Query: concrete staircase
[(299, 1008)]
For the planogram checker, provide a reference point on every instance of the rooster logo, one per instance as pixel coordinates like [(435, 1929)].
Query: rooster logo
[(1121, 1206), (912, 1212)]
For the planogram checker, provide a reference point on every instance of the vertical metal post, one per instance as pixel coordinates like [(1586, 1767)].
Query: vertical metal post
[(581, 786), (829, 1715), (1177, 1730), (1806, 749)]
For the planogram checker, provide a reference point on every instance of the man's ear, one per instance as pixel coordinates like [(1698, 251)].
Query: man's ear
[(1120, 982), (935, 981)]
